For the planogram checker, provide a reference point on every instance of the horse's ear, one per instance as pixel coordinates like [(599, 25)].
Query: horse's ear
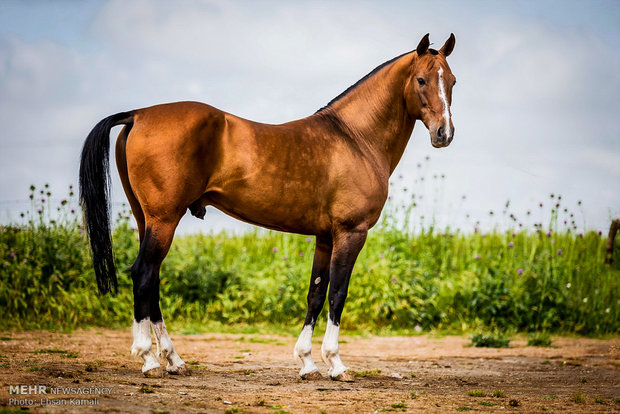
[(423, 45), (447, 48)]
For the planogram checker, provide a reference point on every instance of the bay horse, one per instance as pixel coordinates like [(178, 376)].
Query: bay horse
[(325, 175)]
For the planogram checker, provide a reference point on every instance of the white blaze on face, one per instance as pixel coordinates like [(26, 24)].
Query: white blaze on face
[(444, 99)]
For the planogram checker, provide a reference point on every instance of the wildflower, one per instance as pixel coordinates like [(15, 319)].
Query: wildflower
[(63, 202), (381, 255), (32, 188), (585, 300), (580, 234), (275, 249), (475, 229), (511, 244), (72, 211), (284, 257), (40, 211), (548, 234), (568, 285), (540, 205), (417, 328), (301, 254), (80, 230), (394, 280), (389, 197), (600, 232), (559, 252), (520, 271), (477, 256), (31, 196), (607, 310), (43, 200), (12, 255), (392, 248)]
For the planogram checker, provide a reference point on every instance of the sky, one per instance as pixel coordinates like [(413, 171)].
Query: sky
[(535, 107)]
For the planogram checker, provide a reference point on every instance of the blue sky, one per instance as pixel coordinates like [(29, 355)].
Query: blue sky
[(535, 107)]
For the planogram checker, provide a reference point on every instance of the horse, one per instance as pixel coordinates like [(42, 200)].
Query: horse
[(325, 175)]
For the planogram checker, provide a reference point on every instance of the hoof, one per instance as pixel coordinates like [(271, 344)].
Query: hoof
[(154, 373), (180, 370), (312, 376), (344, 377)]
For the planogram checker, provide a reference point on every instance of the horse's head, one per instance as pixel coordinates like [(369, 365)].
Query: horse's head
[(428, 92)]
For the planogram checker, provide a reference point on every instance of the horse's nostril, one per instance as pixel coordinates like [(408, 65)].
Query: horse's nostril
[(440, 132)]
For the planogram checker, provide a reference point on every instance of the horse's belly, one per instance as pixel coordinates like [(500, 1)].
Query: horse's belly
[(284, 212)]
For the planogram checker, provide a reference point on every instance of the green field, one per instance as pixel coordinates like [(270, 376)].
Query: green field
[(537, 279)]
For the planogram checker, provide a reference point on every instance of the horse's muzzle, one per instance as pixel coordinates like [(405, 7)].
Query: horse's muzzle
[(442, 138)]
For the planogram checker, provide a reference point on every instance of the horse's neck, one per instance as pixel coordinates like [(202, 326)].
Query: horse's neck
[(374, 112)]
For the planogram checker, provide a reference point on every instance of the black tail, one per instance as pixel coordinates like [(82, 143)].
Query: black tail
[(94, 197)]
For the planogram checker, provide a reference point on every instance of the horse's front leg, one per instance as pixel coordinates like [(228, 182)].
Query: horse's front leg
[(347, 246), (317, 291), (145, 276)]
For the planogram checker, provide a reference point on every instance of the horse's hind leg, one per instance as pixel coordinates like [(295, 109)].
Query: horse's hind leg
[(316, 297), (145, 275), (347, 246)]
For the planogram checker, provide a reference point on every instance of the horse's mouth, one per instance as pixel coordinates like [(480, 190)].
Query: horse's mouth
[(440, 143)]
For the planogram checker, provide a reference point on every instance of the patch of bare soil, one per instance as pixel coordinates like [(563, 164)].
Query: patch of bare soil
[(257, 374)]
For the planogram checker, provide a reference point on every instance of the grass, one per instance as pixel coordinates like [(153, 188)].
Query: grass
[(410, 277), (579, 398), (368, 373), (497, 394), (476, 393), (541, 339), (489, 340)]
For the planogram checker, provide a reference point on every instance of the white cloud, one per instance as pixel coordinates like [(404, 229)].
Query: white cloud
[(534, 109)]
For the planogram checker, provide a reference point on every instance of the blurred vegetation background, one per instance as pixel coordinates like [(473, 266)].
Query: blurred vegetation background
[(409, 278)]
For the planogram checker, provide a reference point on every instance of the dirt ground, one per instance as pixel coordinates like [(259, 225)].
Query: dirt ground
[(257, 374)]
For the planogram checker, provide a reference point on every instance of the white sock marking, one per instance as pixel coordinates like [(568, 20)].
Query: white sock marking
[(446, 107), (165, 349), (329, 349), (303, 351), (142, 344)]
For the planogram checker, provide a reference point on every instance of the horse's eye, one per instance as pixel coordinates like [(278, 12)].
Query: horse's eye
[(421, 82)]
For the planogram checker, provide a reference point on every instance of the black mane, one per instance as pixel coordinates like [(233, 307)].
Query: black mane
[(356, 84)]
